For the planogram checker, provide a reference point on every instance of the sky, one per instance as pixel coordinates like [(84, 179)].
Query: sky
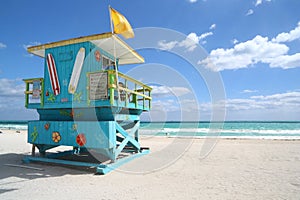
[(243, 55)]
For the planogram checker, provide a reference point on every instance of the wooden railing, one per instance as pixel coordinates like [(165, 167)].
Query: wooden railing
[(131, 90), (132, 93)]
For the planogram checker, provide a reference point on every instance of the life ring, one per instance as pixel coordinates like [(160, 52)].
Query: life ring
[(56, 136), (97, 55)]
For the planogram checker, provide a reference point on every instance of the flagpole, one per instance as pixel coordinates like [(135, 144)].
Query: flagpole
[(110, 19), (115, 54)]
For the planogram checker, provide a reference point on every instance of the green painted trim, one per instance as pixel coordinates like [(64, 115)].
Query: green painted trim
[(42, 92), (27, 92), (26, 95)]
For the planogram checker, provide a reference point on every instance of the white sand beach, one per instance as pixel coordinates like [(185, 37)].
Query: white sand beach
[(234, 169)]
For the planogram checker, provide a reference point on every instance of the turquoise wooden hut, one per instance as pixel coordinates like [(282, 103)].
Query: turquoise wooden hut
[(84, 102)]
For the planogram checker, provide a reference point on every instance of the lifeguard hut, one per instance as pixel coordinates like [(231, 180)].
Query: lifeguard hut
[(84, 102)]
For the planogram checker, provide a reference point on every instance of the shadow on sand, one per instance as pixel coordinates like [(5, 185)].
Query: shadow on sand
[(13, 170)]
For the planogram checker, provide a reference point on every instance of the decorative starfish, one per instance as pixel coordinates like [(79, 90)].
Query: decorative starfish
[(74, 127), (51, 97), (77, 97)]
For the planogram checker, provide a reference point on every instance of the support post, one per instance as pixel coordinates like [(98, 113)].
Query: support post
[(33, 150)]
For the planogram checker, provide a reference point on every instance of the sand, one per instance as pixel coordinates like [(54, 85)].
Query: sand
[(175, 169)]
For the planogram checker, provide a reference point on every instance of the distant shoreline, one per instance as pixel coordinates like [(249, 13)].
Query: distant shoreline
[(205, 121), (282, 130)]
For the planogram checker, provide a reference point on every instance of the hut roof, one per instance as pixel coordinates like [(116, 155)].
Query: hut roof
[(105, 41)]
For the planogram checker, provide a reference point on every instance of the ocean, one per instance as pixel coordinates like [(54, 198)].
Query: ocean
[(232, 129), (13, 125)]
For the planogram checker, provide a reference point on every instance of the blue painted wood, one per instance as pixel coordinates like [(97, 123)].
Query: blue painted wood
[(84, 114), (121, 146), (88, 114), (128, 137), (104, 169), (99, 135), (29, 159), (68, 115), (100, 168), (64, 57)]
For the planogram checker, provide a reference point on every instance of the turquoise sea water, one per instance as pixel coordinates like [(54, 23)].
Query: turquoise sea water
[(227, 129), (232, 129), (13, 125)]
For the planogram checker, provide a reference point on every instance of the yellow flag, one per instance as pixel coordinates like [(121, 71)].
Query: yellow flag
[(121, 25)]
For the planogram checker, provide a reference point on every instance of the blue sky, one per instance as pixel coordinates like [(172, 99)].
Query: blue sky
[(253, 46)]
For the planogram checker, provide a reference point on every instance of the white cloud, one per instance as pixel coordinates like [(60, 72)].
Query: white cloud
[(165, 106), (165, 91), (235, 41), (12, 101), (213, 26), (2, 46), (249, 12), (292, 95), (12, 94), (258, 2), (286, 61), (25, 46), (249, 91), (281, 106), (189, 43), (193, 1), (288, 37), (160, 91), (11, 88), (204, 35), (258, 49), (286, 101), (180, 91), (164, 45)]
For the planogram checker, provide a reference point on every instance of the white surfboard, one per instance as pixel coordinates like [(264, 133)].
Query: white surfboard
[(76, 70)]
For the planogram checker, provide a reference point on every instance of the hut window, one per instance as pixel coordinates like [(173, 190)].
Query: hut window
[(107, 63)]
